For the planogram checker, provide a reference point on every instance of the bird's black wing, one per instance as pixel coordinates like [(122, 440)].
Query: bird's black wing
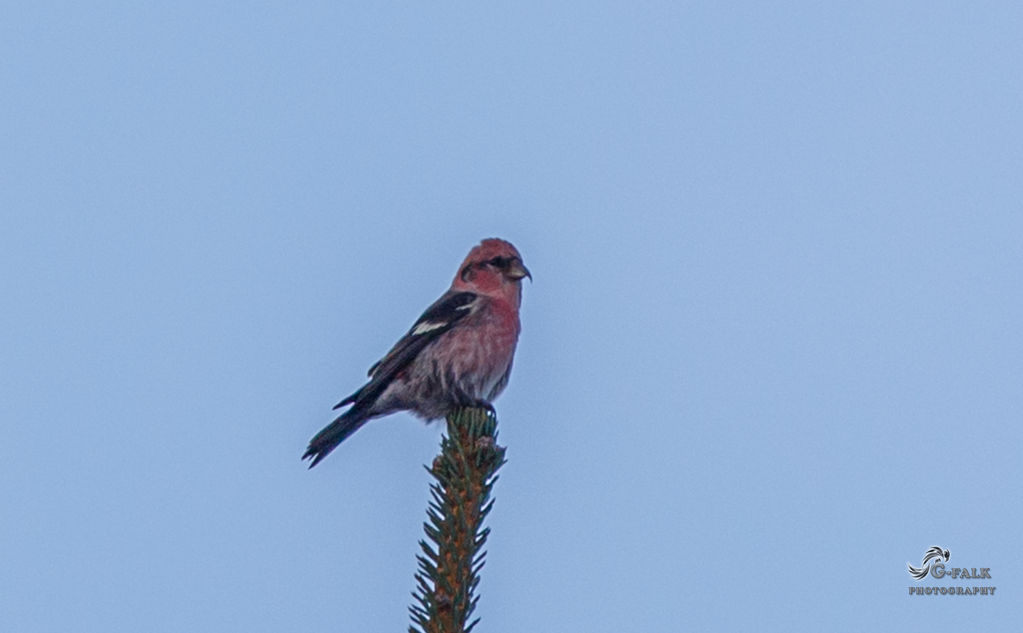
[(439, 318)]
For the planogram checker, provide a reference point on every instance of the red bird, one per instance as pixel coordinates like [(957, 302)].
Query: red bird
[(458, 353)]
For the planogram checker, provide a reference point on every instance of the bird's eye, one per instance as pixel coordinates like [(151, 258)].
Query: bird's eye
[(499, 262)]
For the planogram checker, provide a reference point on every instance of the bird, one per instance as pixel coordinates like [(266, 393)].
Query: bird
[(458, 353), (935, 552)]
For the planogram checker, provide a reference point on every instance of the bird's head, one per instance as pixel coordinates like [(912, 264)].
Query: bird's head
[(494, 268)]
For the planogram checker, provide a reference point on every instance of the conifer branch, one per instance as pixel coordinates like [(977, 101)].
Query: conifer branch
[(452, 554)]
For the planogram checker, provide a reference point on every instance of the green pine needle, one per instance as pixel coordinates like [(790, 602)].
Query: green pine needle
[(445, 595)]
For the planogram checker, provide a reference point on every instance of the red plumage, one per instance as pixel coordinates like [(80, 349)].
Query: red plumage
[(458, 353)]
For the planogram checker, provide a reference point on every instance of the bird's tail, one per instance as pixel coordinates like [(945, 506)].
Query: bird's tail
[(334, 433)]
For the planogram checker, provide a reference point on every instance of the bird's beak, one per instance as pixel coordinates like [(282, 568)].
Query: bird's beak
[(517, 271)]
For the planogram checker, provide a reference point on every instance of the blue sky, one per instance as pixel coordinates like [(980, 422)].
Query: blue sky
[(772, 352)]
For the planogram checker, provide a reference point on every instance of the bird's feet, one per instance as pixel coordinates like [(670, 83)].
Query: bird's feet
[(483, 404)]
